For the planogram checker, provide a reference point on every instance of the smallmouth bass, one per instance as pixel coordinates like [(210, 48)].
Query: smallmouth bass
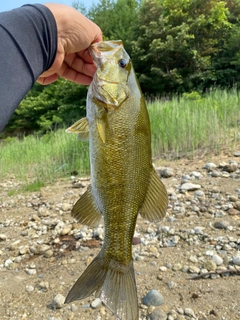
[(123, 181)]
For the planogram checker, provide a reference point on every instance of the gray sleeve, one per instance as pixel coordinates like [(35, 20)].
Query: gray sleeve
[(28, 37)]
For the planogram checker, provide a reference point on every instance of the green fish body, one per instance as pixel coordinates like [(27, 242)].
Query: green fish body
[(123, 181)]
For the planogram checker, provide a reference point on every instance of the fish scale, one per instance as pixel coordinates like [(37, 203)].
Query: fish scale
[(123, 181)]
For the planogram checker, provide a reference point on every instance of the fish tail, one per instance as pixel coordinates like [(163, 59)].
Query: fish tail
[(114, 284)]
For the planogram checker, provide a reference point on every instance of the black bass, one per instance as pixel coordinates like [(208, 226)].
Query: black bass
[(123, 181)]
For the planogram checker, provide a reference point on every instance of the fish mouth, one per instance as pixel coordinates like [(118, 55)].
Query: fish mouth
[(106, 48)]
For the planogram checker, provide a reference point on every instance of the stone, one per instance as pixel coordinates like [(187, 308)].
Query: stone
[(96, 303), (236, 260), (236, 205), (31, 272), (153, 298), (29, 288), (237, 154), (210, 265), (190, 187), (43, 212), (66, 230), (58, 301), (158, 314), (3, 237), (215, 174), (231, 167), (217, 259), (66, 206), (221, 224), (189, 312), (165, 172), (210, 166), (48, 253)]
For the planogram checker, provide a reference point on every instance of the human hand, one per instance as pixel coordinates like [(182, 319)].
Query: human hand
[(75, 34)]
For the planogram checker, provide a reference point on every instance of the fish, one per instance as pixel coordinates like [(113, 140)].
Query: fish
[(123, 180)]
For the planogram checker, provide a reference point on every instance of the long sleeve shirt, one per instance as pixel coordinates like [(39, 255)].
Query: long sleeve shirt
[(28, 46)]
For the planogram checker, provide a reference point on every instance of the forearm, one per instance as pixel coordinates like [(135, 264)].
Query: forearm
[(28, 48)]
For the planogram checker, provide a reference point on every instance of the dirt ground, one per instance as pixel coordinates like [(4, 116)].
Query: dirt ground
[(24, 296)]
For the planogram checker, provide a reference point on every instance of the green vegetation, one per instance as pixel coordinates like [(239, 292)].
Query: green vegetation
[(177, 46), (179, 126), (43, 158)]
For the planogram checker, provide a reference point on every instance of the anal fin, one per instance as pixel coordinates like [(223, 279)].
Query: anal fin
[(156, 201), (86, 211)]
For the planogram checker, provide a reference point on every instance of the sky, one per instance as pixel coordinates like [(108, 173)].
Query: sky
[(11, 4)]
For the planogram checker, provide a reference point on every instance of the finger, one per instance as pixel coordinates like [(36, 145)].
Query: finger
[(47, 80), (75, 62)]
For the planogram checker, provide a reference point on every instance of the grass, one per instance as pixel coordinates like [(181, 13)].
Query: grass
[(193, 123), (37, 159), (179, 127)]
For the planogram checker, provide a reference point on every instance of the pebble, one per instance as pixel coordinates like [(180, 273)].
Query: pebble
[(58, 301), (153, 298), (29, 288), (189, 312), (236, 260), (158, 314), (217, 259), (96, 303), (210, 166), (210, 265), (3, 237), (221, 224), (237, 154), (190, 187)]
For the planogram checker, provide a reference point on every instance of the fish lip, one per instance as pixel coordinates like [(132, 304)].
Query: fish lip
[(98, 49)]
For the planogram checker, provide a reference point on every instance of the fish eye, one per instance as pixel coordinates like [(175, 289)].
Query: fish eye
[(122, 63)]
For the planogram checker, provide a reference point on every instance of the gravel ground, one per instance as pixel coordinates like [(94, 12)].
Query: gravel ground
[(187, 266)]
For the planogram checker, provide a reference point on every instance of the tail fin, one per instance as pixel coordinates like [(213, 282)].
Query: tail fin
[(114, 283)]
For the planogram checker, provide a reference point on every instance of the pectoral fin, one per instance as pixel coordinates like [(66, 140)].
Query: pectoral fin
[(81, 127), (101, 126), (155, 204), (86, 211)]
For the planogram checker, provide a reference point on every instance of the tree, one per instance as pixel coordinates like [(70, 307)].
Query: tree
[(175, 42), (46, 108)]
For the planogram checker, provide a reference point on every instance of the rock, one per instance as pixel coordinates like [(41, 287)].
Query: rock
[(31, 272), (236, 260), (210, 265), (236, 205), (158, 314), (29, 288), (165, 172), (13, 246), (237, 154), (96, 303), (190, 187), (153, 298), (48, 253), (66, 230), (66, 206), (221, 224), (210, 166), (189, 312), (233, 198), (3, 237), (215, 174), (43, 286), (43, 212), (58, 301), (217, 259), (199, 193), (231, 167)]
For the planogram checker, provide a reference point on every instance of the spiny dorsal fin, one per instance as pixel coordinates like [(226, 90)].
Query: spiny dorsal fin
[(86, 211), (80, 127), (156, 201)]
